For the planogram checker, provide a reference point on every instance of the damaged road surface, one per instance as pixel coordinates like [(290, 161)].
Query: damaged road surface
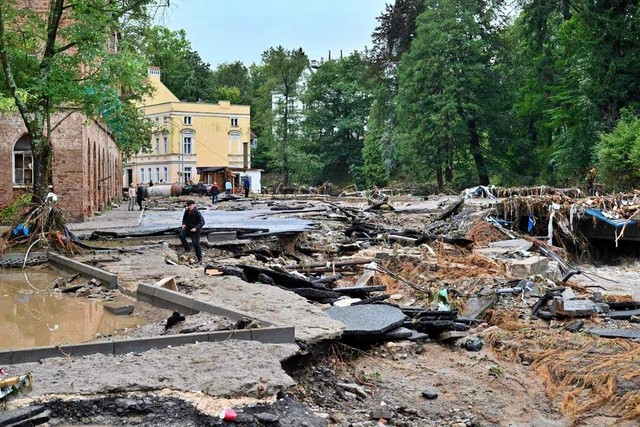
[(415, 312)]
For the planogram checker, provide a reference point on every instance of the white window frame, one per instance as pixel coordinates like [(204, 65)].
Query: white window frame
[(165, 171), (165, 143), (187, 120), (188, 136), (150, 176), (157, 174), (142, 175), (157, 145), (24, 154), (186, 174), (234, 122)]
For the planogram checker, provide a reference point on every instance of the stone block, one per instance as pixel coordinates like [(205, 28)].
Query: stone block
[(119, 310), (530, 266)]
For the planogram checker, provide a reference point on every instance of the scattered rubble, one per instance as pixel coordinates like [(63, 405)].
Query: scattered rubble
[(487, 279)]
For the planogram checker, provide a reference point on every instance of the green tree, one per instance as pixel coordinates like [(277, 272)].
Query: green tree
[(445, 84), (65, 58), (235, 75), (337, 102), (284, 68), (618, 154), (378, 139)]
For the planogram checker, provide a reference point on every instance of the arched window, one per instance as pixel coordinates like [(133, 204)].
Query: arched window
[(22, 161)]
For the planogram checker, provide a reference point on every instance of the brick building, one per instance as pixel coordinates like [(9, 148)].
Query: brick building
[(87, 164)]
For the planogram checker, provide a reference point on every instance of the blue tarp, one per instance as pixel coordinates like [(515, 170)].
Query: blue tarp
[(617, 223)]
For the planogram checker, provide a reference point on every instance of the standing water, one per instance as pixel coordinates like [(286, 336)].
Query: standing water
[(34, 315)]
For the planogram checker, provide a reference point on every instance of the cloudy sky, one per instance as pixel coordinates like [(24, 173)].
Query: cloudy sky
[(226, 31)]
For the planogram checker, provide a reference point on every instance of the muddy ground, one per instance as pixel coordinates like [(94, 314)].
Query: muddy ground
[(516, 379)]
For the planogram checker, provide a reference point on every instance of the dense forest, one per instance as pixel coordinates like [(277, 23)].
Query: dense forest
[(452, 93)]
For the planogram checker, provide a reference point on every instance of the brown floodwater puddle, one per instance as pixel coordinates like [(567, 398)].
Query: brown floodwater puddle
[(32, 315)]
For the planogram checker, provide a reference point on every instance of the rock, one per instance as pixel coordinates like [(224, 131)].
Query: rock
[(266, 418), (430, 393), (574, 326), (634, 319), (379, 413), (473, 344), (119, 310), (523, 268)]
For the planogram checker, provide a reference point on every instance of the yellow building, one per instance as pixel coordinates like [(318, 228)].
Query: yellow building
[(192, 141)]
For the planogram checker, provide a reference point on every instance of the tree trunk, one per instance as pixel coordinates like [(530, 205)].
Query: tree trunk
[(476, 152), (439, 178), (41, 152), (448, 171), (285, 142)]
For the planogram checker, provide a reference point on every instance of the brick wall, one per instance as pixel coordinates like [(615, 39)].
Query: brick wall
[(87, 164)]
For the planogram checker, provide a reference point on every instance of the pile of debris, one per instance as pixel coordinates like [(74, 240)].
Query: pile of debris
[(93, 288)]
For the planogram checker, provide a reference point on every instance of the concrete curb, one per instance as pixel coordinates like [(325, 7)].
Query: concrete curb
[(270, 335), (166, 298), (69, 264)]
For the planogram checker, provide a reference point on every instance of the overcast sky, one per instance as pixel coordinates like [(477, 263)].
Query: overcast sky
[(227, 31)]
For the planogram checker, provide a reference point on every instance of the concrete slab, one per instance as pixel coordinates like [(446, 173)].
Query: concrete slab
[(371, 319), (624, 314), (227, 369)]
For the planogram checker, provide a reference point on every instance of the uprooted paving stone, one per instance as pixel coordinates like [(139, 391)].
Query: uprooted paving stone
[(224, 369)]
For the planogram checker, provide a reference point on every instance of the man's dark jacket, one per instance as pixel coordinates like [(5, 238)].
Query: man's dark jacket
[(193, 219)]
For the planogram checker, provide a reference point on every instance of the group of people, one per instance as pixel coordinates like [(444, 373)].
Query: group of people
[(136, 195)]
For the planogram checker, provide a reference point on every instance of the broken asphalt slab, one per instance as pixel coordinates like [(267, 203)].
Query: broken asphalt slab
[(278, 306), (226, 369), (368, 320)]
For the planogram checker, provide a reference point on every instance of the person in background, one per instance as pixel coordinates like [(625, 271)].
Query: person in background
[(192, 223), (246, 185), (228, 187), (215, 192), (132, 197), (139, 195)]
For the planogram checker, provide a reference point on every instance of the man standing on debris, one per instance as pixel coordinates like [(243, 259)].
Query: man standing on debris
[(228, 187), (215, 192), (140, 195), (246, 185), (132, 197), (192, 223)]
